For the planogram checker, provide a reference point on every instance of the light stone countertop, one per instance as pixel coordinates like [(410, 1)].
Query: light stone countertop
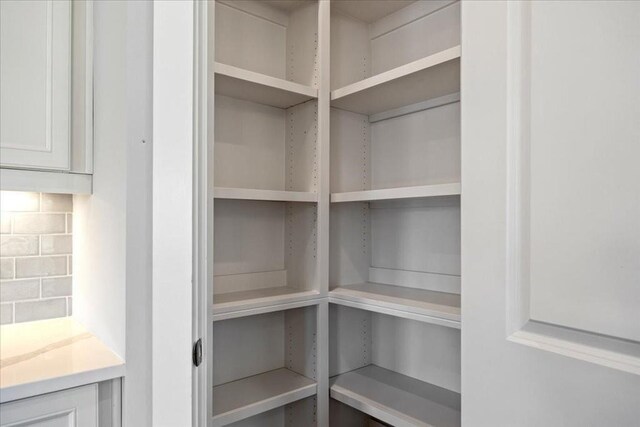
[(50, 355)]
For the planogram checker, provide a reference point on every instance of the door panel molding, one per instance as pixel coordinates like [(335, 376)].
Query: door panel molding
[(52, 151), (48, 91), (607, 351)]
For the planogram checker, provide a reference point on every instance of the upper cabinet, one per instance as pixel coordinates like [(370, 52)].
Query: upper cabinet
[(46, 85), (35, 57)]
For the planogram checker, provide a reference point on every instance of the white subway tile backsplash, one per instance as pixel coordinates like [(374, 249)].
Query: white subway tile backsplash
[(50, 202), (5, 223), (6, 268), (69, 223), (16, 290), (41, 309), (41, 266), (56, 287), (55, 244), (6, 313), (18, 245), (19, 201), (35, 255), (39, 223)]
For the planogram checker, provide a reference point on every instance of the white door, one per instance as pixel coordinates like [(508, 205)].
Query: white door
[(35, 90), (551, 213)]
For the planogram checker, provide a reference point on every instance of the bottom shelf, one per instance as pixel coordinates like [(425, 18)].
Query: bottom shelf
[(397, 399), (250, 396)]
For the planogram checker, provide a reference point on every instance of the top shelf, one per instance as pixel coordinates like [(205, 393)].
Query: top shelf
[(427, 78), (260, 88)]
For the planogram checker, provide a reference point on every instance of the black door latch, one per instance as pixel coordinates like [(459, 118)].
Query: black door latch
[(197, 352)]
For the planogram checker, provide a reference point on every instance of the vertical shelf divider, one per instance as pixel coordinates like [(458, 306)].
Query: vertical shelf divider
[(324, 102)]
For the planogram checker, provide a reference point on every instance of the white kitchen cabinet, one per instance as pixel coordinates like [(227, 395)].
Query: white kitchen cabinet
[(73, 407), (35, 84), (46, 83)]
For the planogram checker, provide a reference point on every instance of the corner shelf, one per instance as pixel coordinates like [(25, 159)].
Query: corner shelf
[(397, 399), (430, 77), (257, 301), (267, 195), (253, 395), (260, 88), (439, 308), (436, 190)]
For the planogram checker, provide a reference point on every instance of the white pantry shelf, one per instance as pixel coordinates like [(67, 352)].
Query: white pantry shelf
[(427, 306), (254, 395), (397, 399), (257, 301), (419, 191), (427, 78), (268, 195), (262, 89)]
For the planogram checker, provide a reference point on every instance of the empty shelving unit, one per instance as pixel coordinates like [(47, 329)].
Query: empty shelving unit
[(265, 154), (265, 192), (333, 212), (394, 283), (265, 363)]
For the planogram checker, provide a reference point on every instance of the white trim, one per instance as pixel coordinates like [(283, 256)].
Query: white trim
[(88, 94), (202, 405), (552, 341), (45, 182), (173, 180)]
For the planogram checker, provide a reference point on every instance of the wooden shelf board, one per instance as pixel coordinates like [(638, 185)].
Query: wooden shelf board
[(268, 195), (431, 77), (246, 303), (430, 306), (262, 89), (397, 399), (419, 191), (250, 396)]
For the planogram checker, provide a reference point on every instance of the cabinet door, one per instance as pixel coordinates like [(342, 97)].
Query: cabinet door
[(73, 407), (35, 89)]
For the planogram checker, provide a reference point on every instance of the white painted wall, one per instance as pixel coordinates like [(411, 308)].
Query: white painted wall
[(173, 37), (139, 85), (112, 265), (99, 266)]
